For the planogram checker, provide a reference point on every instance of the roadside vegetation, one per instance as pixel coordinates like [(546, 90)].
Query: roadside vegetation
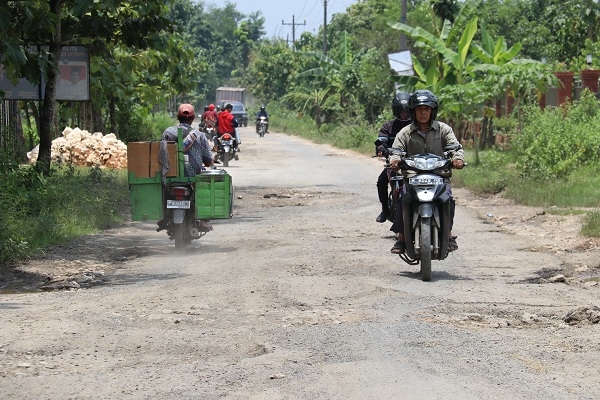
[(470, 53)]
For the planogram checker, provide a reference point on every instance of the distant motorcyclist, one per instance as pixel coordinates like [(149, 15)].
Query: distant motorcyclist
[(209, 118), (262, 113), (385, 138), (227, 123), (423, 135)]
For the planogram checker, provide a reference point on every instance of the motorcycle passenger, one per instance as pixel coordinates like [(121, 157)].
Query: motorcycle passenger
[(227, 123), (424, 135), (196, 147), (389, 130), (209, 118), (262, 113)]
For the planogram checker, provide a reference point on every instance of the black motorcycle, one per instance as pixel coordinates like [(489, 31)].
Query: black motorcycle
[(426, 207), (226, 148)]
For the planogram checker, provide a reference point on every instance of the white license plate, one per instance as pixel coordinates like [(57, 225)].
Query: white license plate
[(425, 181), (178, 204)]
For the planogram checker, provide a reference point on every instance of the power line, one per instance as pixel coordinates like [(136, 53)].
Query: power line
[(293, 24)]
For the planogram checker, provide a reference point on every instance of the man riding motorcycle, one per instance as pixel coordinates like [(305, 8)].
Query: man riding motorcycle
[(262, 113), (423, 135), (227, 123), (385, 138)]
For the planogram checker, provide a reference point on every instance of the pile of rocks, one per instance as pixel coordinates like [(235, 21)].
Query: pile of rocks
[(82, 148)]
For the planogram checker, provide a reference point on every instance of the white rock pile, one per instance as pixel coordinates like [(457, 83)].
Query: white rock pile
[(82, 148)]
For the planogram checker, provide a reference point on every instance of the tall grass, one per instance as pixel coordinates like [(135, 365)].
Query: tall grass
[(42, 210)]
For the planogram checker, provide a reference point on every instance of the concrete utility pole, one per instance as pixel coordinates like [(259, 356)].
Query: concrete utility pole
[(324, 27), (403, 20), (293, 24)]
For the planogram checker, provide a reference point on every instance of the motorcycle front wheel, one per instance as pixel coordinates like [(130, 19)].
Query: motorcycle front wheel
[(425, 250)]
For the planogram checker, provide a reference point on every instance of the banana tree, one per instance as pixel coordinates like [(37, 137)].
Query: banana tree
[(448, 66), (334, 74)]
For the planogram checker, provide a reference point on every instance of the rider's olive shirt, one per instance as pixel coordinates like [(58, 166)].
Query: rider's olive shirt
[(438, 136)]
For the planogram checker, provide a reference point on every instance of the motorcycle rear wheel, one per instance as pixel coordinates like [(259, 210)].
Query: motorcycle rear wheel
[(179, 235), (426, 249), (225, 159)]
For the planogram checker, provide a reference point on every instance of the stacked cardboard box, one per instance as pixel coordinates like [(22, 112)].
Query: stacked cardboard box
[(142, 159)]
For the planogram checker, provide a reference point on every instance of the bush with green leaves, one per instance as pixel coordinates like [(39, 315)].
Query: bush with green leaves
[(556, 141), (143, 125)]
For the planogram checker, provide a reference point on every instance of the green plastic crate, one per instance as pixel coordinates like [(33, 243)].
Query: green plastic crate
[(146, 200), (214, 195)]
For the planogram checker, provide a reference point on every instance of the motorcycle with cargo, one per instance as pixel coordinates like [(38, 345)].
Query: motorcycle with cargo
[(163, 189)]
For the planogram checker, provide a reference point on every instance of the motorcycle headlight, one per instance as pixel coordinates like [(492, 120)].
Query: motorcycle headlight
[(425, 164)]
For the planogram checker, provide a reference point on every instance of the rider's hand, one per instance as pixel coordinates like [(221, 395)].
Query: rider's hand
[(458, 164)]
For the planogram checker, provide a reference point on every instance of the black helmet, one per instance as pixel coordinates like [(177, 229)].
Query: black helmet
[(206, 107), (400, 106), (423, 98), (262, 107)]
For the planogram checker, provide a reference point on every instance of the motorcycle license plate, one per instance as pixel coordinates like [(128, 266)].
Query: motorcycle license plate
[(178, 204), (425, 181)]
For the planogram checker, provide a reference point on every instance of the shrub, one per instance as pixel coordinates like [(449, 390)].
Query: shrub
[(556, 141)]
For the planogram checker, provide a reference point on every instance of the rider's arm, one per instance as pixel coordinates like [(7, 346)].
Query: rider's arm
[(400, 143), (449, 138)]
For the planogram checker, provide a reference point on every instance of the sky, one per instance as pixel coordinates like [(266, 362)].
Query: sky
[(276, 11)]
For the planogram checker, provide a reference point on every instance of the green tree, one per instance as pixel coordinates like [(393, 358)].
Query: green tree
[(271, 68)]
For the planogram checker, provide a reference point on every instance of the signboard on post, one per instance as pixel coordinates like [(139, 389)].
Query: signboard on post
[(72, 82), (401, 64), (23, 90)]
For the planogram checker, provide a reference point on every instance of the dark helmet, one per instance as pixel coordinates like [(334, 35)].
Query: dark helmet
[(423, 98), (400, 106), (262, 107), (206, 107)]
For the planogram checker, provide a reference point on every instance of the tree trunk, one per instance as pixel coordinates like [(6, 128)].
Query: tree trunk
[(484, 134), (48, 108), (97, 123), (113, 116)]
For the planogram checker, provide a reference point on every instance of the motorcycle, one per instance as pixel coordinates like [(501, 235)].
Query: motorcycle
[(262, 126), (181, 223), (395, 179), (226, 148), (426, 207), (209, 131)]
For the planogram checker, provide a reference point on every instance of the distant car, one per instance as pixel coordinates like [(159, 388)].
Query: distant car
[(238, 111)]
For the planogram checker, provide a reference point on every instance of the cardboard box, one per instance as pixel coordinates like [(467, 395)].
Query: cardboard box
[(155, 166), (138, 159)]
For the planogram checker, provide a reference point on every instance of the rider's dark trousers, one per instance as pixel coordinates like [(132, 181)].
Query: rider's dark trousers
[(382, 189)]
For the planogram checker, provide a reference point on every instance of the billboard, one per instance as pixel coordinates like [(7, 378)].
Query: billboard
[(72, 82), (23, 90)]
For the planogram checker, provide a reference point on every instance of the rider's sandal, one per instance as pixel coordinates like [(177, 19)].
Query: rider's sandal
[(399, 247), (452, 245)]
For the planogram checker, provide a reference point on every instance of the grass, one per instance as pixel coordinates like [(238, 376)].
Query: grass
[(71, 202)]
